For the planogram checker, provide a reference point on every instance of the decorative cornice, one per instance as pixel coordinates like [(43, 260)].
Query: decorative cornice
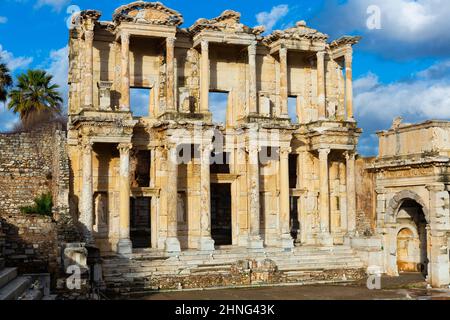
[(344, 41)]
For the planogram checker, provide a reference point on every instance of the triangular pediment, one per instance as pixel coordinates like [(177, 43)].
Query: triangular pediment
[(142, 12)]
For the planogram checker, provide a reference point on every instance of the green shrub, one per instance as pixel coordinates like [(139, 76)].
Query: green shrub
[(42, 205)]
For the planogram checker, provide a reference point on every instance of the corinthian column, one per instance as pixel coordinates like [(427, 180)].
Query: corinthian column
[(206, 243), (349, 82), (255, 241), (321, 84), (124, 246), (172, 242), (286, 240), (351, 192), (252, 77), (87, 201), (324, 209), (89, 75), (170, 61), (283, 83), (125, 67), (204, 77)]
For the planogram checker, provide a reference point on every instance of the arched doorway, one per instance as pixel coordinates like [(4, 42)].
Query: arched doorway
[(412, 238)]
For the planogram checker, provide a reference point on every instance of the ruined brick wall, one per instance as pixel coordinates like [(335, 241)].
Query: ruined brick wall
[(365, 198), (33, 163), (31, 243)]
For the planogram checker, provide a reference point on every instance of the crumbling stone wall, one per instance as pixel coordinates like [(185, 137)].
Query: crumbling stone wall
[(31, 243), (365, 198)]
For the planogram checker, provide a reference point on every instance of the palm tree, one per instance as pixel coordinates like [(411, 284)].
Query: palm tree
[(35, 99), (5, 82)]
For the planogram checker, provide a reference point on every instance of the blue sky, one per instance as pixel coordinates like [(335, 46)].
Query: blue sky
[(400, 69)]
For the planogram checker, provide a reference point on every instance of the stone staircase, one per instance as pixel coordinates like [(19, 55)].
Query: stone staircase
[(149, 270)]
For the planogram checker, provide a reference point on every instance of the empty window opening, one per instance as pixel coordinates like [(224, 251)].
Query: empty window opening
[(218, 103), (142, 172), (140, 101), (140, 228), (292, 109), (293, 171)]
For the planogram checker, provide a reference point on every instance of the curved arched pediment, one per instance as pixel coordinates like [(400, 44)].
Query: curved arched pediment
[(398, 199), (147, 13)]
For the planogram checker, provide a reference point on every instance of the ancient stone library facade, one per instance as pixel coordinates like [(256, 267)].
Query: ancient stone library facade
[(275, 193)]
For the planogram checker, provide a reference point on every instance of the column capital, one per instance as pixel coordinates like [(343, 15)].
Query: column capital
[(86, 145), (320, 54), (350, 155), (252, 48), (283, 51), (324, 152), (171, 41), (204, 44), (207, 147), (285, 151), (435, 187), (125, 37), (124, 148), (89, 35)]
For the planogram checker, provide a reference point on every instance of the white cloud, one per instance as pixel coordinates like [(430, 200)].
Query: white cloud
[(270, 19), (409, 28), (59, 69), (3, 19), (12, 62), (57, 5), (426, 95)]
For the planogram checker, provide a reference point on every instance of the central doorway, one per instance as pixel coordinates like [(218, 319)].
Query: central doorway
[(140, 227), (221, 230)]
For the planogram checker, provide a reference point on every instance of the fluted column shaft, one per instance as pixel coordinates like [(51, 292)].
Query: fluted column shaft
[(87, 200), (351, 192), (252, 79), (324, 191), (285, 234), (170, 61), (89, 74), (349, 83), (254, 216), (124, 246), (125, 70), (283, 82), (321, 84), (172, 242), (206, 243), (204, 77)]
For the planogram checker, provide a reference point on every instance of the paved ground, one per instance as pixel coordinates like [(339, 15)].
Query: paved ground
[(407, 286)]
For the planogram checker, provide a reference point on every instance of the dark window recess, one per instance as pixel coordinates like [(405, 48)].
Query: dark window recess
[(293, 171), (143, 168), (220, 162), (295, 224), (221, 213)]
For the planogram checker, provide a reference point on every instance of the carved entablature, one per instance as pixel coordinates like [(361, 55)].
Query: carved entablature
[(86, 19), (340, 46), (229, 22), (142, 12), (300, 37)]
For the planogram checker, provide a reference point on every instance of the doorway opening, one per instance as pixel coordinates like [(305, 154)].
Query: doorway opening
[(221, 230), (293, 214), (140, 226), (412, 238)]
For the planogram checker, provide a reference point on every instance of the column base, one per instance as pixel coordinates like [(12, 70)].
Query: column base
[(326, 239), (172, 245), (286, 241), (125, 247), (206, 244), (255, 243)]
